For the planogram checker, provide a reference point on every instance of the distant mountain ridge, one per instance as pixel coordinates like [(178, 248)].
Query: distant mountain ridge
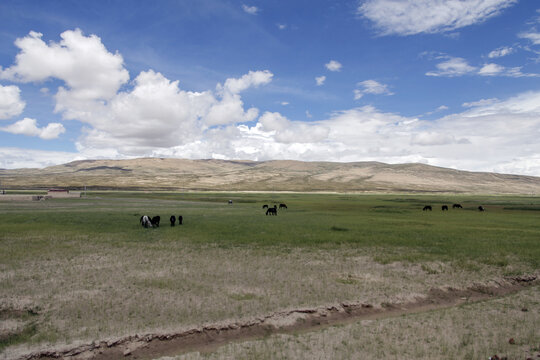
[(274, 175)]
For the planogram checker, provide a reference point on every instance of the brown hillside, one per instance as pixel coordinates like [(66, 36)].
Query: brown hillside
[(221, 175)]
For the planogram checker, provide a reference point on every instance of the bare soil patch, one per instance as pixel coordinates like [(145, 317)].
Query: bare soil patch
[(210, 336)]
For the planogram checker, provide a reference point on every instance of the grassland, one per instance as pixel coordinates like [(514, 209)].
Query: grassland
[(79, 270)]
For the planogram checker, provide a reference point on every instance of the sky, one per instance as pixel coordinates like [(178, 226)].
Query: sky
[(451, 83)]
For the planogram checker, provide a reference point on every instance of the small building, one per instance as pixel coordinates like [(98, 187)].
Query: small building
[(62, 193)]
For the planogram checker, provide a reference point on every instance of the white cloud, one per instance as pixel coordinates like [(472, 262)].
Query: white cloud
[(286, 131), (532, 35), (251, 79), (427, 138), (491, 135), (333, 65), (439, 109), (90, 72), (409, 17), (153, 113), (13, 158), (320, 80), (156, 113), (252, 10), (500, 52), (29, 127), (10, 102), (153, 116), (491, 70), (454, 66), (523, 104), (482, 102), (371, 87), (281, 26)]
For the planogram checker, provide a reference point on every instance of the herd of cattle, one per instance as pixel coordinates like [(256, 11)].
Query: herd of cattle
[(273, 210), (455, 206), (152, 222), (147, 221)]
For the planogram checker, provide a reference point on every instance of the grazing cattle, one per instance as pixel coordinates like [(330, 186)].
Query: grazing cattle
[(427, 207), (230, 202), (155, 221), (272, 211), (145, 221), (265, 206), (282, 206), (173, 220), (444, 208), (481, 208), (180, 219), (457, 206)]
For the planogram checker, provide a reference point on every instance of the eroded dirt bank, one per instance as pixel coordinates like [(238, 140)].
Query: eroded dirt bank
[(149, 346)]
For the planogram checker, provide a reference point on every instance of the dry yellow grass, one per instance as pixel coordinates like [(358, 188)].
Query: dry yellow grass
[(99, 295), (475, 331)]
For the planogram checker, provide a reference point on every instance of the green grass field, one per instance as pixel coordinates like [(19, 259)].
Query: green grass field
[(84, 269)]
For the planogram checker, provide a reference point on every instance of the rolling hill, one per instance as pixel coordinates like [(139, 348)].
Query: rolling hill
[(278, 175)]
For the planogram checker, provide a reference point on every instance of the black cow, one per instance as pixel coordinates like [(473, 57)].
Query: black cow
[(457, 206), (230, 202), (481, 208), (427, 207), (444, 208), (155, 221), (282, 206), (265, 206), (272, 211), (180, 219), (173, 220)]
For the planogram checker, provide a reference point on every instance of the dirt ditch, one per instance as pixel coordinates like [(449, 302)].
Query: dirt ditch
[(209, 337)]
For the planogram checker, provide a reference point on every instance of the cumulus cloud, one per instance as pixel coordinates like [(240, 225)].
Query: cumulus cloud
[(89, 71), (409, 17), (154, 116), (320, 80), (484, 137), (252, 10), (371, 87), (487, 129), (251, 79), (286, 131), (153, 112), (10, 102), (29, 127), (156, 113), (333, 65)]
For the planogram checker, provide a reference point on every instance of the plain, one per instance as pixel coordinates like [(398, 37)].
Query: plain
[(81, 270)]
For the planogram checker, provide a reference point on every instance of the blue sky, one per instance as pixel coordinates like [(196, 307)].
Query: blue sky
[(453, 83)]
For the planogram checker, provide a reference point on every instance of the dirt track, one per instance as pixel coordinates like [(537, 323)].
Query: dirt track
[(207, 337)]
